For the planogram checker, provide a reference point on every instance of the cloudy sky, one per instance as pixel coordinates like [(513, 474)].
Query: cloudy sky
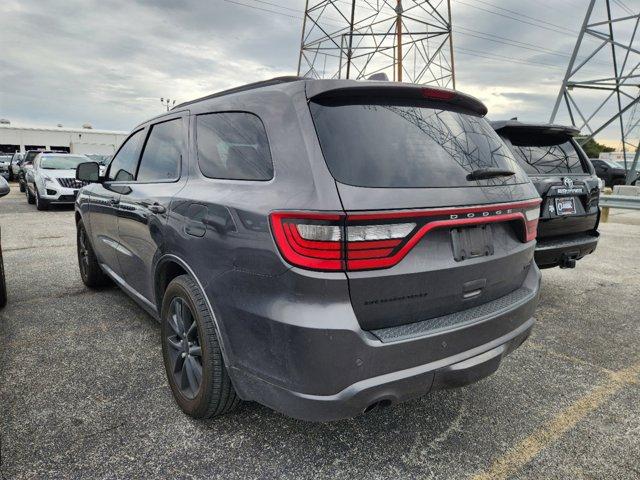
[(108, 62)]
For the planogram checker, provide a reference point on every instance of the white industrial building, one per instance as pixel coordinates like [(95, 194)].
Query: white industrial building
[(84, 140)]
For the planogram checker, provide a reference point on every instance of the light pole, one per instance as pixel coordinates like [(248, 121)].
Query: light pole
[(167, 103)]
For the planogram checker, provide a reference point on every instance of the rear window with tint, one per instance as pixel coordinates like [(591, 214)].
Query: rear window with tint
[(547, 157), (407, 146), (233, 145)]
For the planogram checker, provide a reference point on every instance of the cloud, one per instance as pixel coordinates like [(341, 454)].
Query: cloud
[(108, 62)]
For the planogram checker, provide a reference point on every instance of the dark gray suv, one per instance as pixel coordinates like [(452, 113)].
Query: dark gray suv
[(322, 247)]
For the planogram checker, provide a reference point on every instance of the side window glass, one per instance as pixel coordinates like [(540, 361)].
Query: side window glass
[(162, 153), (123, 166), (233, 145)]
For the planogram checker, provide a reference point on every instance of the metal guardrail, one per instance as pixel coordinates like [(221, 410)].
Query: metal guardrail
[(607, 201), (620, 201)]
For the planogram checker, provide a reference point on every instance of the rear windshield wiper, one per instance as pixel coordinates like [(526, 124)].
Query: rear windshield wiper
[(490, 172)]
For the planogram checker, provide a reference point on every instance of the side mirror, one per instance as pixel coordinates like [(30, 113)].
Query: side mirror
[(88, 172)]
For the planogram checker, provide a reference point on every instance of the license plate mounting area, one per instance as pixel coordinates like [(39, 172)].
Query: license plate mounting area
[(472, 242)]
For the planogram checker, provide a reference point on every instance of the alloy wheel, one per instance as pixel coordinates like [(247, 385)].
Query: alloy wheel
[(184, 348)]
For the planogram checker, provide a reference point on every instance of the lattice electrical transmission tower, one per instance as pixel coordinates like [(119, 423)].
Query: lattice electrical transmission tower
[(408, 40), (601, 87)]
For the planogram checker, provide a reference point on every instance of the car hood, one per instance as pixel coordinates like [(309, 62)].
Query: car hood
[(58, 173)]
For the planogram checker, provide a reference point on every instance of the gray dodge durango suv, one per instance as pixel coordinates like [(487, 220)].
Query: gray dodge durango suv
[(322, 247)]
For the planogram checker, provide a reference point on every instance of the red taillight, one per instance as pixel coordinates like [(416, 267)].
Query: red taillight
[(531, 215), (373, 245), (309, 240), (437, 94), (333, 242)]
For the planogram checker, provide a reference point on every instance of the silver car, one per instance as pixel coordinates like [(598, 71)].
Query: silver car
[(52, 179), (5, 162), (14, 166)]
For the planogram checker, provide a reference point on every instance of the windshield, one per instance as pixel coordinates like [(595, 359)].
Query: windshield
[(101, 159), (547, 157), (620, 164), (408, 146), (29, 156), (61, 162), (612, 164)]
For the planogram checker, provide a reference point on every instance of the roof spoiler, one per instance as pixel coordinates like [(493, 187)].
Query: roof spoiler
[(387, 90), (515, 126)]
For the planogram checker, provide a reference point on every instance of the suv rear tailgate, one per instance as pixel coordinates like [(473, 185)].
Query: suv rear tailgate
[(560, 172), (432, 279), (403, 164)]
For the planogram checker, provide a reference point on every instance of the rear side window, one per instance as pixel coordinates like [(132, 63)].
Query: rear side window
[(543, 158), (162, 153), (407, 146), (233, 145), (123, 167)]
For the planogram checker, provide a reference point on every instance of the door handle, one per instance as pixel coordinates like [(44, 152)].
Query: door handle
[(156, 208), (114, 201)]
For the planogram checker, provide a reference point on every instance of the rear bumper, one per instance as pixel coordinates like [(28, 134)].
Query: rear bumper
[(559, 250), (347, 372), (395, 387)]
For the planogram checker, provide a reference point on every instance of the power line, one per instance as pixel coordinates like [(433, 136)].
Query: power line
[(263, 9), (514, 43), (511, 59), (460, 51), (501, 40), (624, 7), (278, 6), (563, 32), (563, 28), (463, 51)]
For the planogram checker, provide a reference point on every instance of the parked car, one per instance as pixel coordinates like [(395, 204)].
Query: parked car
[(560, 170), (4, 189), (322, 247), (103, 161), (27, 164), (14, 166), (5, 162), (612, 173), (52, 180)]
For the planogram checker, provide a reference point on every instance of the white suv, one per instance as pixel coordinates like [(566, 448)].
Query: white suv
[(53, 179)]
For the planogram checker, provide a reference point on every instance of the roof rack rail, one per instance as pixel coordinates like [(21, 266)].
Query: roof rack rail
[(243, 88)]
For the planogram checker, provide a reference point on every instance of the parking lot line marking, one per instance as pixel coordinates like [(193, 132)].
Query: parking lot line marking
[(530, 447), (569, 358)]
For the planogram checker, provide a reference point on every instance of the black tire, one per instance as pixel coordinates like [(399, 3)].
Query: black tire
[(31, 199), (214, 394), (3, 285), (40, 203), (90, 271)]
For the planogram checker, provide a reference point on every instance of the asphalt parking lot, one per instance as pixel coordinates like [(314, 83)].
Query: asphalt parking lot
[(83, 391)]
